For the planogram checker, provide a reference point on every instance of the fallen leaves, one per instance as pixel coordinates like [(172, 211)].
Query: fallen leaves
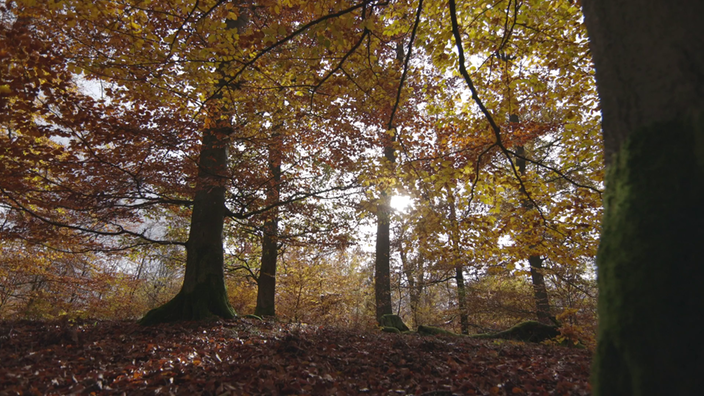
[(245, 356)]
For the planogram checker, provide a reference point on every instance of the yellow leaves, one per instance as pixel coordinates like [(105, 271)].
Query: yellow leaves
[(56, 4), (135, 26), (5, 89), (212, 38), (274, 33), (319, 8)]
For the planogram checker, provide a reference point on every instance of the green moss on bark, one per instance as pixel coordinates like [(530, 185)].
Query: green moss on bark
[(393, 321), (528, 331), (650, 265), (206, 301), (429, 330)]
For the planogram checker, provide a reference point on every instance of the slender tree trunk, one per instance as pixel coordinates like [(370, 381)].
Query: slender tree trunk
[(414, 290), (457, 259), (540, 291), (266, 284), (414, 279), (462, 300), (138, 275), (382, 267), (649, 58), (203, 294), (417, 289)]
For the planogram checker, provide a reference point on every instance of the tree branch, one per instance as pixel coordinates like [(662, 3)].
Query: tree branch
[(390, 125), (282, 41), (475, 96)]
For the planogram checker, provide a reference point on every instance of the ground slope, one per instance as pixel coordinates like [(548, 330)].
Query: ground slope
[(245, 356)]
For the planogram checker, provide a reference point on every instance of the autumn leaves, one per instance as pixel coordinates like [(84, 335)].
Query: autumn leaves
[(300, 97)]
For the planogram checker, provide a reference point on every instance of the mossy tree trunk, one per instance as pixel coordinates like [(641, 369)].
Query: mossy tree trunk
[(649, 58), (266, 284), (651, 298), (203, 294)]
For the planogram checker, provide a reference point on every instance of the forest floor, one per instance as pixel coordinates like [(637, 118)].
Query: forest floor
[(248, 357)]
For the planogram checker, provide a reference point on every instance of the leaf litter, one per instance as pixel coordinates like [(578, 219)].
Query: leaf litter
[(246, 356)]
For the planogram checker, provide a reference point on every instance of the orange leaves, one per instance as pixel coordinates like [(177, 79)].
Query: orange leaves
[(246, 356), (122, 161)]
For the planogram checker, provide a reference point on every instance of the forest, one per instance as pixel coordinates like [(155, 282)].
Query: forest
[(291, 172)]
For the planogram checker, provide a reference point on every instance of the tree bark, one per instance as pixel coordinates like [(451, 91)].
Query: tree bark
[(649, 58), (413, 270), (415, 288), (382, 267), (203, 294), (457, 261), (540, 291), (266, 284), (462, 300)]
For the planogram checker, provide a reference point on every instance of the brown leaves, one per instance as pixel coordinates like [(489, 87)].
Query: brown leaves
[(245, 356)]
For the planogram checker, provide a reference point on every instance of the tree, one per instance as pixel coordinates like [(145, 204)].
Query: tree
[(203, 293), (360, 92), (154, 57), (80, 176), (266, 283), (382, 264), (542, 302), (649, 60), (551, 90)]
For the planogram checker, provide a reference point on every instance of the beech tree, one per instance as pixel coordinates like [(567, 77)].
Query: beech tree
[(560, 176), (259, 106), (135, 48), (649, 59)]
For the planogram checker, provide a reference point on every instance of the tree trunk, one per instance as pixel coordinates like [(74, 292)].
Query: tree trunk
[(266, 284), (382, 267), (649, 58), (462, 300), (457, 261), (415, 288), (414, 276), (203, 294), (540, 291)]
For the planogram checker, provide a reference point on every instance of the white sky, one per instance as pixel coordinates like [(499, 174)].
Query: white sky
[(400, 202)]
